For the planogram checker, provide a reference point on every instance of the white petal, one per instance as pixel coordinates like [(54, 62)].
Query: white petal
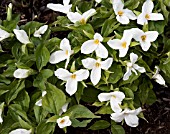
[(3, 34), (159, 79), (59, 8), (122, 19), (39, 103), (20, 131), (140, 69), (66, 2), (132, 120), (64, 107), (82, 74), (71, 86), (156, 16), (40, 31), (127, 74), (95, 75), (1, 119), (88, 47), (127, 37), (101, 51), (98, 36), (64, 122), (62, 74), (22, 36), (88, 63), (21, 73), (117, 117), (106, 64), (104, 96), (98, 1), (137, 33), (147, 6), (130, 14), (118, 6), (65, 45), (119, 96), (133, 57), (115, 105), (123, 52), (86, 15), (44, 93), (115, 44), (145, 45), (137, 111), (58, 56), (74, 17), (141, 19), (151, 35)]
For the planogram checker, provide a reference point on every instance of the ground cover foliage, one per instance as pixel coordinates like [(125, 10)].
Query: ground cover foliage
[(19, 96)]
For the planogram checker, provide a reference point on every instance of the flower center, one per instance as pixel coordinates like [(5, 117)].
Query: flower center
[(129, 64), (113, 96), (82, 21), (143, 37), (66, 52), (120, 13), (147, 16), (124, 44), (62, 121), (73, 76), (96, 41), (97, 64)]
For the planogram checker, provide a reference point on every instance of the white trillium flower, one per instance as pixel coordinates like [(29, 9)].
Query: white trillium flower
[(147, 13), (95, 45), (145, 38), (21, 131), (158, 78), (64, 122), (98, 1), (63, 54), (115, 99), (22, 36), (130, 116), (65, 8), (40, 31), (3, 34), (131, 66), (39, 102), (96, 66), (21, 73), (123, 15), (63, 109), (71, 78), (82, 18), (123, 44)]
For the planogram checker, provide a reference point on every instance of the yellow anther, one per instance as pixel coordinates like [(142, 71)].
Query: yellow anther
[(147, 16), (66, 52), (120, 13), (143, 37), (82, 21), (97, 64), (124, 44), (62, 121), (96, 41), (73, 76)]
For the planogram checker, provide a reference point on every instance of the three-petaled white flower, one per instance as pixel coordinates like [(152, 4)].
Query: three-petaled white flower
[(3, 34), (65, 8), (95, 45), (96, 66), (130, 116), (40, 31), (22, 36), (158, 78), (63, 54), (145, 38), (39, 102), (82, 18), (123, 44), (131, 66), (21, 131), (147, 13), (21, 73), (123, 15), (64, 122), (71, 78), (115, 99)]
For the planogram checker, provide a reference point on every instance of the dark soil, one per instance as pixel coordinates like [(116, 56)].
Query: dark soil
[(157, 115)]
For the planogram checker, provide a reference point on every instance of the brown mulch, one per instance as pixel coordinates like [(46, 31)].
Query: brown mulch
[(157, 115)]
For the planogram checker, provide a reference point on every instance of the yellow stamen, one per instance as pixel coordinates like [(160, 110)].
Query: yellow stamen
[(113, 96), (147, 16), (73, 76), (143, 37), (66, 52), (96, 41), (97, 64), (124, 44), (62, 121), (120, 13), (82, 21)]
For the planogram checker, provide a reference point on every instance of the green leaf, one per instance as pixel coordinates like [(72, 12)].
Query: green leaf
[(45, 128), (101, 124), (54, 99), (117, 129), (24, 124), (128, 92), (77, 123), (104, 110)]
